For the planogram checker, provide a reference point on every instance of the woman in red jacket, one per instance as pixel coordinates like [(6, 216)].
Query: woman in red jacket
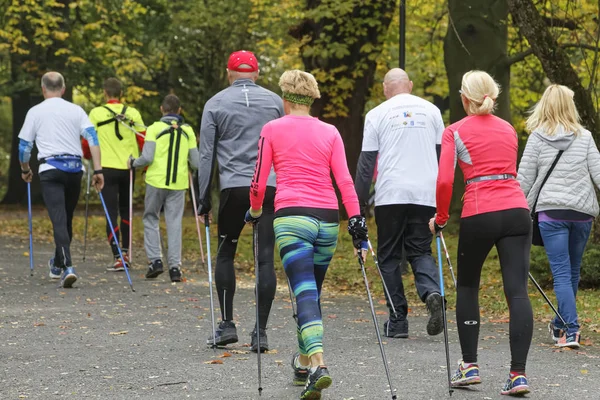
[(495, 212)]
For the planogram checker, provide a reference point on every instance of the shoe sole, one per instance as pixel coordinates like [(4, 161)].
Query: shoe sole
[(299, 381), (262, 348), (574, 345), (315, 393), (516, 391), (154, 274), (435, 325), (466, 382), (69, 281), (398, 336), (52, 276), (224, 341)]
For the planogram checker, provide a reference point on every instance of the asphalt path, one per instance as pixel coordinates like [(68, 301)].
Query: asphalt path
[(99, 340)]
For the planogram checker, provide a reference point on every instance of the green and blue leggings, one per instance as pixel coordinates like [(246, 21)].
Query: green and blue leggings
[(306, 246)]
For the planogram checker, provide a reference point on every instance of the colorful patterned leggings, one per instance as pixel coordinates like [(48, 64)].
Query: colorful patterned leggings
[(306, 246)]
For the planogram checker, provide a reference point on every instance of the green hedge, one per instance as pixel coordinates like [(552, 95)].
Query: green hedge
[(590, 267)]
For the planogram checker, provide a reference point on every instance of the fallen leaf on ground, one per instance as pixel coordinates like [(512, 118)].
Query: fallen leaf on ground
[(119, 333), (332, 316), (239, 352), (39, 324), (274, 351), (225, 355), (213, 362), (380, 313)]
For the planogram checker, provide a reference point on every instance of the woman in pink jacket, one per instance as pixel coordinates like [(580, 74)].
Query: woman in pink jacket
[(304, 152)]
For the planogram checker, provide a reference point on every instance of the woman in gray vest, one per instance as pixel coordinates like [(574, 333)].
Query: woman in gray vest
[(566, 200)]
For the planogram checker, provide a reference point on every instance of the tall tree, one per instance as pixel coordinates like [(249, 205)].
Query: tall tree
[(554, 59), (477, 38), (341, 43)]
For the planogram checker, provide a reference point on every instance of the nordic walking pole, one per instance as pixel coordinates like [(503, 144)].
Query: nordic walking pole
[(30, 229), (384, 358), (439, 253), (448, 258), (255, 240), (130, 217), (112, 230), (539, 288), (387, 292), (197, 218), (87, 208), (294, 313), (212, 304)]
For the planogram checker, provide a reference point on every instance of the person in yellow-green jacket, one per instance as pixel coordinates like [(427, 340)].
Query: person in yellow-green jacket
[(121, 134), (169, 148)]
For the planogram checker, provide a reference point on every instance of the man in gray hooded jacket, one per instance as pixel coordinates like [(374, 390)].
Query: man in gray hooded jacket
[(231, 124)]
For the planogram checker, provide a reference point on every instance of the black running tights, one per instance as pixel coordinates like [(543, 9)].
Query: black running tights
[(510, 231), (116, 196), (233, 206)]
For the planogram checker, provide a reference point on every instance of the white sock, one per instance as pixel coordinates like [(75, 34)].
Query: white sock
[(298, 365)]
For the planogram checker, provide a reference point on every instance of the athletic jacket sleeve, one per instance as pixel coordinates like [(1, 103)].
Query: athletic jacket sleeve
[(147, 155), (207, 149), (364, 176), (593, 160), (445, 179), (528, 167), (264, 161), (339, 168)]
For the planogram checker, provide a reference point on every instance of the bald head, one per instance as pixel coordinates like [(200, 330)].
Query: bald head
[(395, 82), (233, 76), (53, 84)]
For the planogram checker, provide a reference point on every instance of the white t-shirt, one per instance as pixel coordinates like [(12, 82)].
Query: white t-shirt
[(405, 131), (56, 126)]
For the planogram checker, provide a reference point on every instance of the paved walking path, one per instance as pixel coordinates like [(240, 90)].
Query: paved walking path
[(101, 341)]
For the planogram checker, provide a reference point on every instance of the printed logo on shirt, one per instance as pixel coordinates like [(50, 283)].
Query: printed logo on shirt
[(407, 114)]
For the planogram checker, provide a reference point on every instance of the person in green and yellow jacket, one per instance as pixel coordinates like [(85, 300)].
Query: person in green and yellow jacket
[(169, 148), (121, 134)]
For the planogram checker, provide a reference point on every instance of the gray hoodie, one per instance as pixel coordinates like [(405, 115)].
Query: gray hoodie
[(571, 183), (234, 118)]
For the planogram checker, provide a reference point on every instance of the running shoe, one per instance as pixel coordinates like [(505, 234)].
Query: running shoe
[(300, 372), (264, 342), (68, 277), (395, 329), (434, 303), (316, 382), (175, 274), (55, 271), (570, 340), (516, 385), (119, 264), (555, 332), (226, 333), (155, 268), (466, 374)]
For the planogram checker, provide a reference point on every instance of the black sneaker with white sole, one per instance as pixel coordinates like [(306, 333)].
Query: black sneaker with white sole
[(317, 381), (226, 333), (264, 342), (155, 268), (395, 329), (434, 303)]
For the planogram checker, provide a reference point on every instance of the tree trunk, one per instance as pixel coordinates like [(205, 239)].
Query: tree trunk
[(556, 65), (477, 38), (361, 31)]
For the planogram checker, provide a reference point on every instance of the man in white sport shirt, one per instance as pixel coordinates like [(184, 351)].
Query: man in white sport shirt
[(405, 132), (55, 125)]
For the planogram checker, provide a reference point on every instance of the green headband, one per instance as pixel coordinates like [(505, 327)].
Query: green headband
[(298, 98)]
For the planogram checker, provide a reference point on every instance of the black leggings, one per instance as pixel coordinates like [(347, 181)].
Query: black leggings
[(116, 197), (61, 192), (232, 208), (510, 231)]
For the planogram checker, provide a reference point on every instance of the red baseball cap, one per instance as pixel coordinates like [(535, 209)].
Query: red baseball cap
[(242, 57)]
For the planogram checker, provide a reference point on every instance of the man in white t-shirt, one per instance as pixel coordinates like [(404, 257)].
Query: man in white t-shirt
[(403, 136), (55, 125)]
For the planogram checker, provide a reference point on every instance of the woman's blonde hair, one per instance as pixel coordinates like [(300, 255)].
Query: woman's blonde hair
[(555, 108), (481, 90), (299, 87)]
